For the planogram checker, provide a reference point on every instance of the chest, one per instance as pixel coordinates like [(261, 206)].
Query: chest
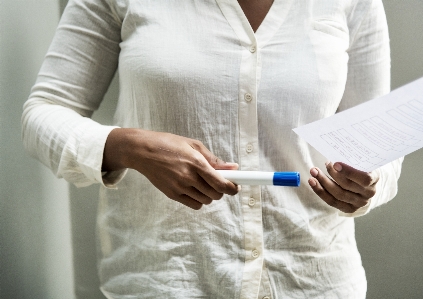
[(191, 53)]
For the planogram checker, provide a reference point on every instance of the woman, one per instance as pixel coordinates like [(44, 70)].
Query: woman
[(201, 80)]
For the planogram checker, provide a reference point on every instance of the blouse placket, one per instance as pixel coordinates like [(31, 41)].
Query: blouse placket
[(249, 79)]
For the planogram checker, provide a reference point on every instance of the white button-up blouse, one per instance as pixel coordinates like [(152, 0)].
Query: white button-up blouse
[(196, 68)]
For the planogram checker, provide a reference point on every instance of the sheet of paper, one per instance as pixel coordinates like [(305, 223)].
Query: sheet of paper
[(374, 133)]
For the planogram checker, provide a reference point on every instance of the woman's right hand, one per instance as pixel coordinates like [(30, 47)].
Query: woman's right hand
[(182, 168)]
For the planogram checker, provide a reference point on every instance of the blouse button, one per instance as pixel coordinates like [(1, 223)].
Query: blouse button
[(249, 148), (253, 49), (251, 202), (255, 253), (248, 97)]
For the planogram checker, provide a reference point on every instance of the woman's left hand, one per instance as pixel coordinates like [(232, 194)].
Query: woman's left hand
[(348, 190)]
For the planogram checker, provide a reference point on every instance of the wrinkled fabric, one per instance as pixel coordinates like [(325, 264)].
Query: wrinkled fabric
[(196, 69)]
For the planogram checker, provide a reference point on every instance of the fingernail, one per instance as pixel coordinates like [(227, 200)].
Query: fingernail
[(232, 164), (312, 183), (239, 188), (314, 172), (337, 166), (327, 163)]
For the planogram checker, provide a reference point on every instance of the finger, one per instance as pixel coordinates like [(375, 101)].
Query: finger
[(218, 163), (202, 186), (187, 196), (329, 198), (218, 183), (187, 182), (336, 191), (214, 161), (198, 196), (188, 201), (362, 178), (340, 176), (211, 177), (203, 161)]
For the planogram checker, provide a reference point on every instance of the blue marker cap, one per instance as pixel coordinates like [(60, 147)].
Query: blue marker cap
[(291, 179)]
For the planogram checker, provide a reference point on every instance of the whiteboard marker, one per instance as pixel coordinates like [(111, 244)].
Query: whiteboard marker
[(238, 177)]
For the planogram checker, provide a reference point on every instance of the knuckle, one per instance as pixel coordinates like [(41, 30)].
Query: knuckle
[(333, 203), (319, 191), (348, 172), (190, 202), (184, 173), (347, 184), (196, 144), (320, 174), (217, 196), (349, 197), (185, 176), (198, 159), (214, 161), (351, 209), (372, 192), (222, 186), (367, 179), (331, 171)]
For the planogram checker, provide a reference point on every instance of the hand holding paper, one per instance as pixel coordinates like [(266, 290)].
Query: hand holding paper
[(350, 190), (362, 139)]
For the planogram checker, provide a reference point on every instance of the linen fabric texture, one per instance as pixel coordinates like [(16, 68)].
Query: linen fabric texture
[(196, 69)]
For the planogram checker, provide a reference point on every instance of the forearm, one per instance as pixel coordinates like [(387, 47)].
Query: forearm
[(57, 136)]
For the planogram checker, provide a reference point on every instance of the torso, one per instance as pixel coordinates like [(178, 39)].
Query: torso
[(185, 68)]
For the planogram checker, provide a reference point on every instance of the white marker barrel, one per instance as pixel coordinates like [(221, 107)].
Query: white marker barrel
[(291, 179)]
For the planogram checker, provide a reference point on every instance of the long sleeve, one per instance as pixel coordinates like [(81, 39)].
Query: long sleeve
[(73, 79), (368, 78)]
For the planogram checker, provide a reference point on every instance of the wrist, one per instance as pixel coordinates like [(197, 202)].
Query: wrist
[(116, 155)]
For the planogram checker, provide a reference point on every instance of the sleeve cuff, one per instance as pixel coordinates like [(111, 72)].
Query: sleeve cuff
[(90, 157), (360, 212), (112, 178)]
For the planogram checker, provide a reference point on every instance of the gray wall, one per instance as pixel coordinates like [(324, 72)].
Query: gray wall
[(38, 213), (390, 238), (35, 244)]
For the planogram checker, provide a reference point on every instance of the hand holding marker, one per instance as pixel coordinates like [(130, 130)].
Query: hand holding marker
[(291, 179)]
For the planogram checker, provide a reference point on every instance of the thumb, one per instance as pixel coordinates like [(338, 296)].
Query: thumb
[(214, 161), (218, 163)]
